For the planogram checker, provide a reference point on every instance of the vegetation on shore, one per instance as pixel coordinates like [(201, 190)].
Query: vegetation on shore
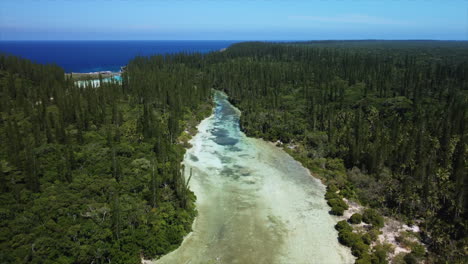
[(93, 174), (382, 125), (386, 126)]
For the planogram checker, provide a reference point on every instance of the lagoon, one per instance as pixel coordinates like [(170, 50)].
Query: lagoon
[(255, 203)]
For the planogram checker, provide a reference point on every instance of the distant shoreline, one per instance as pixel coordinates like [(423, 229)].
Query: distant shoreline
[(78, 76)]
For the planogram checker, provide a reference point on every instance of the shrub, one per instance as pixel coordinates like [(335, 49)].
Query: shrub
[(418, 250), (332, 188), (353, 240), (410, 259), (336, 165), (367, 239), (364, 259), (338, 206), (347, 192), (372, 217), (331, 195), (374, 233), (355, 218), (337, 210), (343, 226), (379, 256), (348, 238), (359, 248)]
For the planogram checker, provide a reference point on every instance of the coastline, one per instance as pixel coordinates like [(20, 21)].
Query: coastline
[(399, 237), (78, 76)]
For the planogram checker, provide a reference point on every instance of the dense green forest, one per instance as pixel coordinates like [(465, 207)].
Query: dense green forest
[(385, 125), (93, 174)]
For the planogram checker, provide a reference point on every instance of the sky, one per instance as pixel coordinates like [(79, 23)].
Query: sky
[(232, 19)]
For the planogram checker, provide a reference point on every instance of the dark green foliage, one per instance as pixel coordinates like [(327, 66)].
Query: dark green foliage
[(372, 217), (343, 226), (379, 256), (332, 195), (367, 238), (92, 174), (338, 206), (331, 188), (365, 259), (349, 238), (359, 248), (353, 240), (392, 114), (410, 259), (355, 218), (335, 201), (383, 121)]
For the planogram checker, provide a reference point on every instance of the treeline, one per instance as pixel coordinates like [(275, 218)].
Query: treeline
[(423, 50), (93, 174), (396, 121)]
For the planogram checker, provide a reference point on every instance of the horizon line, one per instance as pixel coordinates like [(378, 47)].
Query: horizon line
[(267, 40)]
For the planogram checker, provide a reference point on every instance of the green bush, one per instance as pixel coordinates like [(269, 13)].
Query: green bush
[(364, 259), (379, 256), (367, 239), (343, 226), (347, 192), (338, 206), (331, 195), (359, 248), (370, 216), (348, 238), (332, 188), (336, 165), (418, 250), (374, 233), (410, 259), (355, 218)]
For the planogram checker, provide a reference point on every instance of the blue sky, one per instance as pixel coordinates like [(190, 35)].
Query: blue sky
[(232, 20)]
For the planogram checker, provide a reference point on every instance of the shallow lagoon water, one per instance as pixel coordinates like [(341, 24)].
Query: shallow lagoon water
[(255, 203)]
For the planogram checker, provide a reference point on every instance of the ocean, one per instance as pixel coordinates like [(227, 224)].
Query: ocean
[(93, 56)]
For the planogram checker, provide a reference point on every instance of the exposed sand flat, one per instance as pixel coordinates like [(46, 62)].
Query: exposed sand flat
[(255, 203)]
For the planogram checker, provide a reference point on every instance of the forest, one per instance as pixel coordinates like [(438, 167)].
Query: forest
[(94, 174), (383, 123)]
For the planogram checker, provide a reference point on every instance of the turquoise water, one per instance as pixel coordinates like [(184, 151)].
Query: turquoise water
[(117, 78), (255, 203)]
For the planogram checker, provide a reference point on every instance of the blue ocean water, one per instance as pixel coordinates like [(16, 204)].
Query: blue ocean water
[(92, 56)]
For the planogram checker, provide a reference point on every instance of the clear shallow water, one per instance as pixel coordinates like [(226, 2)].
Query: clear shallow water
[(93, 56), (255, 203)]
